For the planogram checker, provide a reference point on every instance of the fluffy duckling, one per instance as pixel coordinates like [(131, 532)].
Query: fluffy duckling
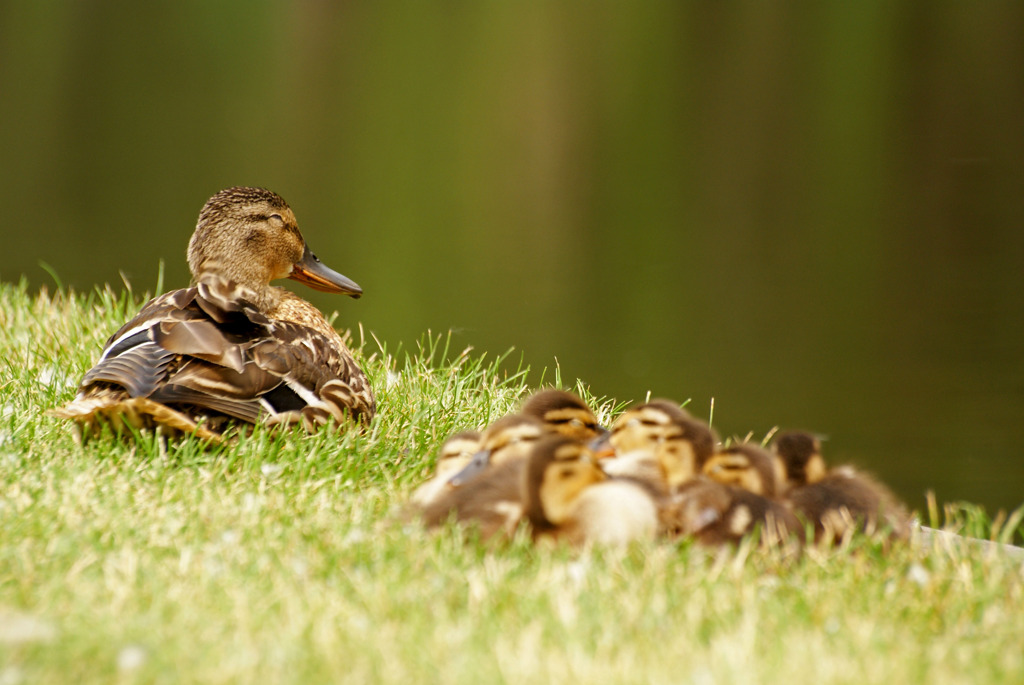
[(735, 497), (716, 514), (745, 466), (836, 501), (558, 411), (567, 496), (455, 453), (659, 443), (488, 493), (230, 348), (564, 413)]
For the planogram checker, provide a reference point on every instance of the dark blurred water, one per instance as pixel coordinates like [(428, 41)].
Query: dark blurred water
[(813, 214)]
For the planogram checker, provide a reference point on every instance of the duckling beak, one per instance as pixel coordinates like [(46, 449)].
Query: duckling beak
[(602, 445), (312, 272), (480, 461)]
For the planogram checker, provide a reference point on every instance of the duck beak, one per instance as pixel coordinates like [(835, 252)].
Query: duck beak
[(312, 272)]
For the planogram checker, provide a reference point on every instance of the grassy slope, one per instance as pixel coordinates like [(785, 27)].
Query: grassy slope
[(283, 559)]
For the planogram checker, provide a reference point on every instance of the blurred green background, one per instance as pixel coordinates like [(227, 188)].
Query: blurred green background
[(812, 213)]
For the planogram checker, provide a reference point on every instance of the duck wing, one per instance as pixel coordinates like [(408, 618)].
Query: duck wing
[(208, 350)]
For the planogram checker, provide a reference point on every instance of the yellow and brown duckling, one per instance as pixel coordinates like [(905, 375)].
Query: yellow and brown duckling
[(746, 466), (557, 411), (735, 497), (837, 501), (230, 348), (715, 514), (455, 453), (487, 493), (658, 442), (563, 412), (567, 496)]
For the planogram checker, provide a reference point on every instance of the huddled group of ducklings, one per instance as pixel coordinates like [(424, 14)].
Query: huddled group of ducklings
[(658, 472)]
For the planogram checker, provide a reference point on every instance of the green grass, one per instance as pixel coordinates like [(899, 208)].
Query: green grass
[(284, 558)]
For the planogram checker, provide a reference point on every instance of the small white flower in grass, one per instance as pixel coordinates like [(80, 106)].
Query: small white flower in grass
[(131, 658), (391, 380), (918, 574), (6, 410), (270, 469)]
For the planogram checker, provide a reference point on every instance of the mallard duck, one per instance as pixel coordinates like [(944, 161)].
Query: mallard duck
[(566, 495), (230, 348), (837, 501), (489, 497), (455, 453)]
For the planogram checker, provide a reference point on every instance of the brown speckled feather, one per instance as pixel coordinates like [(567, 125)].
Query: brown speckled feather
[(207, 353)]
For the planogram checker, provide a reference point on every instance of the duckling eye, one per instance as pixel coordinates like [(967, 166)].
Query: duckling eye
[(576, 422), (276, 218)]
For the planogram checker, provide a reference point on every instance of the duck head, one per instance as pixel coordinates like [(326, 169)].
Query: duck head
[(250, 236)]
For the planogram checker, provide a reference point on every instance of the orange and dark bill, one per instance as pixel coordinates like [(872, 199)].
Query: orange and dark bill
[(313, 273)]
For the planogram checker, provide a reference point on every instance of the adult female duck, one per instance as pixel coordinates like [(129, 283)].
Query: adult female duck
[(231, 347)]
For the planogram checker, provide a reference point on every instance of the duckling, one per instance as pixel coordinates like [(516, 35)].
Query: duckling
[(563, 412), (488, 492), (735, 496), (455, 453), (659, 443), (230, 348), (716, 514), (837, 501), (797, 459), (745, 466), (567, 496), (558, 412)]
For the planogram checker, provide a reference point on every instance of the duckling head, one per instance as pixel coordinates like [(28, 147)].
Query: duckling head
[(680, 443), (250, 236), (745, 466), (563, 412), (507, 439), (798, 459), (456, 452), (558, 472)]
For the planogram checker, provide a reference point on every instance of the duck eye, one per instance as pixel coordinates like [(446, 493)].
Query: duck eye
[(276, 218)]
